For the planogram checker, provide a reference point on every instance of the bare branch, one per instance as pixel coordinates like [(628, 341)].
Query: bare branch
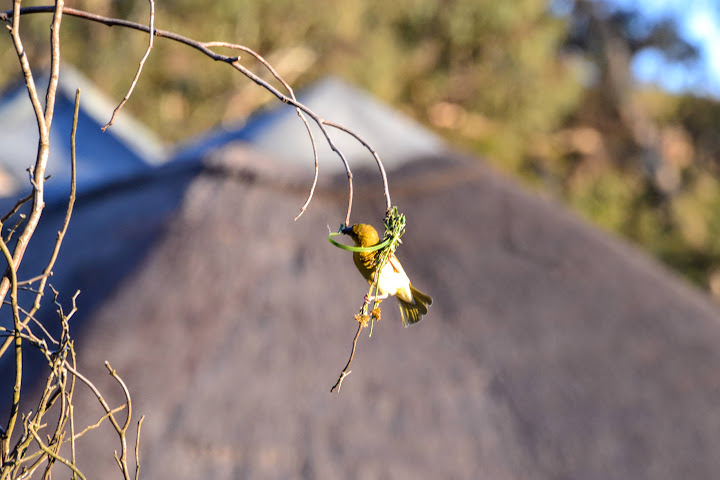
[(58, 394), (317, 166), (346, 371), (17, 206), (151, 30), (97, 393), (381, 167), (98, 423), (54, 455), (61, 234), (300, 113), (206, 48), (25, 66), (7, 434), (44, 121), (137, 448), (30, 316), (122, 432), (54, 71), (71, 408), (34, 279)]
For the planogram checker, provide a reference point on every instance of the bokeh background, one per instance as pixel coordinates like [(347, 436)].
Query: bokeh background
[(554, 349), (610, 106)]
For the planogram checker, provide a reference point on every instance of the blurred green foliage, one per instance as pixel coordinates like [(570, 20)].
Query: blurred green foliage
[(490, 57), (542, 97)]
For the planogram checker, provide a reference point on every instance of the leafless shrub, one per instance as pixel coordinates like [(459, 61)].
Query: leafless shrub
[(39, 438)]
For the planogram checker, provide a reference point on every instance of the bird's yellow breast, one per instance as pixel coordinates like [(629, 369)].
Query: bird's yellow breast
[(392, 280), (365, 263)]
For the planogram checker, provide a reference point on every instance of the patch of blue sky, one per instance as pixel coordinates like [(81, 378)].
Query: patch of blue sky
[(698, 22)]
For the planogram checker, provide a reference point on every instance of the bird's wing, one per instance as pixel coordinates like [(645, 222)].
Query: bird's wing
[(396, 266), (394, 280)]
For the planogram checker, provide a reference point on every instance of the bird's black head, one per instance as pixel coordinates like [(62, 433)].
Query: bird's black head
[(364, 235)]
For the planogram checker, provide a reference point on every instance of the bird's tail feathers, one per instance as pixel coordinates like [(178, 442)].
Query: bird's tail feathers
[(412, 312)]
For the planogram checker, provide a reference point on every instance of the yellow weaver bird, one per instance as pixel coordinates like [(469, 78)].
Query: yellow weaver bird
[(393, 280)]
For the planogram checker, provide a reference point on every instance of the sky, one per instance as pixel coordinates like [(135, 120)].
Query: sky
[(699, 23)]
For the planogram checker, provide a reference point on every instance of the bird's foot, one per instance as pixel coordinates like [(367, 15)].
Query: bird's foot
[(375, 298)]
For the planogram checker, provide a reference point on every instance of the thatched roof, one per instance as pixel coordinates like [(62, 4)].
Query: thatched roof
[(552, 350)]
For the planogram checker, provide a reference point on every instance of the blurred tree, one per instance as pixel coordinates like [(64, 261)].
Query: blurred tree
[(650, 169), (486, 69), (543, 89)]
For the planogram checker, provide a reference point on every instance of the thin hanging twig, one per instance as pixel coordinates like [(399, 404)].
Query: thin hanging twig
[(346, 371), (151, 30), (381, 167), (300, 113), (206, 48)]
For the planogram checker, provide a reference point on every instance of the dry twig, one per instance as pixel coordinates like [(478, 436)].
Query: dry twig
[(58, 391), (151, 30), (61, 360), (346, 370), (44, 120), (234, 61)]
